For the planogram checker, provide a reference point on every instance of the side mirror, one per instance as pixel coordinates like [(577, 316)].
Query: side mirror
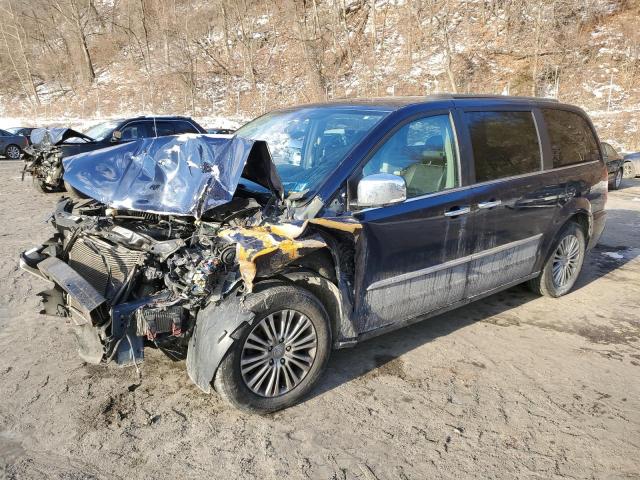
[(381, 189), (116, 136)]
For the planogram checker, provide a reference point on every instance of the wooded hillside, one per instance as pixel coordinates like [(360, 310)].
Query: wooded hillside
[(240, 58)]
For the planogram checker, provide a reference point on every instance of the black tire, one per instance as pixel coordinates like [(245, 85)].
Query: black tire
[(43, 187), (13, 152), (229, 381), (73, 192), (617, 180), (545, 284)]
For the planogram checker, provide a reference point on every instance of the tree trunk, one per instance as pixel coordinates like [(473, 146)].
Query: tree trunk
[(30, 83)]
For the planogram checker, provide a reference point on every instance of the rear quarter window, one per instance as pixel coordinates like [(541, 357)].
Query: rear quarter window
[(572, 140), (182, 126), (504, 144), (164, 128)]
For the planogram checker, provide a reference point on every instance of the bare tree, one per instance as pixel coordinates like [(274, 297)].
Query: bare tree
[(79, 17), (12, 36)]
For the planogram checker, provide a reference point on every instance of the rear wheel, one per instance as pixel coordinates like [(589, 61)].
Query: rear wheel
[(280, 356), (13, 152), (617, 180), (562, 269)]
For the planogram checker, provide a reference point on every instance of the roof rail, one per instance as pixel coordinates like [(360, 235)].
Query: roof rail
[(461, 96)]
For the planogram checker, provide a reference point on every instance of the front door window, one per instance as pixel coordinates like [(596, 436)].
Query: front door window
[(423, 153)]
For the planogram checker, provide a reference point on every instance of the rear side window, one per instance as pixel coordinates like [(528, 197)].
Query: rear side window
[(609, 151), (504, 144), (182, 126), (572, 140), (164, 128)]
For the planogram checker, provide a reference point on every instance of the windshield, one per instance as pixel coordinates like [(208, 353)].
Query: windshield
[(14, 130), (99, 132), (308, 143)]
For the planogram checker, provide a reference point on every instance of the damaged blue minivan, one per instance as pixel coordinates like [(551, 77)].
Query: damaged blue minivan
[(317, 227)]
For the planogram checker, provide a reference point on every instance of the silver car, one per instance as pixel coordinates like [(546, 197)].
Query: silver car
[(632, 165), (11, 145)]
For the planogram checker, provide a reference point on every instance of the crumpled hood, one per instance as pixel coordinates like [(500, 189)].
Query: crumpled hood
[(42, 137), (179, 175)]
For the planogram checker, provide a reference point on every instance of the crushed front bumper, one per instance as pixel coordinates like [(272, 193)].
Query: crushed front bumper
[(117, 339)]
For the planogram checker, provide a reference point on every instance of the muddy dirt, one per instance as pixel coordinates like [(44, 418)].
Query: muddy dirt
[(512, 386)]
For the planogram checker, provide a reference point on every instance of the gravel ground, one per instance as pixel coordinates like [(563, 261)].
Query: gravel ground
[(512, 386)]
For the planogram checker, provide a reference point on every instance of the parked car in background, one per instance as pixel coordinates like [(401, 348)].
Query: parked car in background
[(43, 160), (12, 145), (24, 131), (631, 165), (220, 131), (614, 163), (317, 227)]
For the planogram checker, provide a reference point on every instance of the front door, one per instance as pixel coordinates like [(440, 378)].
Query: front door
[(413, 250)]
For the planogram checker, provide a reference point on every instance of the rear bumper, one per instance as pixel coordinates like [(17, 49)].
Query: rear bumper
[(597, 227)]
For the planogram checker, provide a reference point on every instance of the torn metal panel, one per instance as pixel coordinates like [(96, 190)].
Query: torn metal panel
[(179, 175), (260, 251), (41, 137), (264, 250)]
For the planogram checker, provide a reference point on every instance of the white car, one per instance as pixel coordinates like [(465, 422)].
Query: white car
[(632, 165)]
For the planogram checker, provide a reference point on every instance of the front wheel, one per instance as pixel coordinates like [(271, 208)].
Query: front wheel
[(617, 180), (281, 355), (562, 269), (44, 187)]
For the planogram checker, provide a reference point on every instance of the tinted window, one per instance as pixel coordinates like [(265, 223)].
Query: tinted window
[(572, 141), (504, 144), (182, 126), (165, 128), (610, 151), (423, 153), (135, 130)]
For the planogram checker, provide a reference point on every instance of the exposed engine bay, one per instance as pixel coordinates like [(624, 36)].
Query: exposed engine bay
[(166, 268)]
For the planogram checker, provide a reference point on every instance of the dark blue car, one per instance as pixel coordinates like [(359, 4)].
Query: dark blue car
[(43, 159), (317, 227)]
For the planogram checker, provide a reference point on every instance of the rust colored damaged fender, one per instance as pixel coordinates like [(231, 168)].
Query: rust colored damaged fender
[(265, 250)]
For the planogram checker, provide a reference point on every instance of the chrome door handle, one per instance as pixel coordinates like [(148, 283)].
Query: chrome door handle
[(458, 211), (491, 204)]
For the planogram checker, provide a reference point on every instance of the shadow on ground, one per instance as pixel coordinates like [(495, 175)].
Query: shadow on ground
[(379, 353)]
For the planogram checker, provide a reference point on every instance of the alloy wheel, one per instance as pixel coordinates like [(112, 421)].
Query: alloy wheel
[(278, 353), (13, 152), (628, 170), (566, 261)]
